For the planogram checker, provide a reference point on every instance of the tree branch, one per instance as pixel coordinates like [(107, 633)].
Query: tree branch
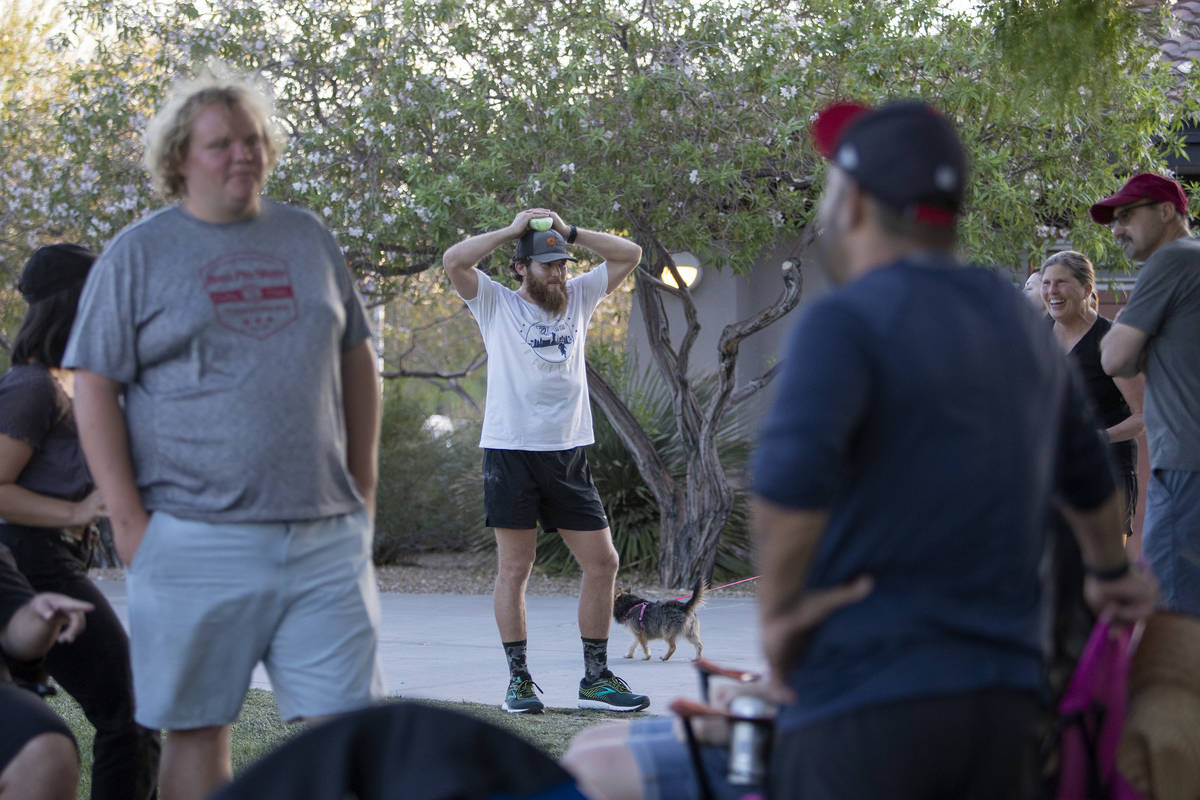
[(646, 457), (401, 372), (733, 334), (752, 387)]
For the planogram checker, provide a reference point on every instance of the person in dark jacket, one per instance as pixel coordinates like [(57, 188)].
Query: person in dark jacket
[(48, 504)]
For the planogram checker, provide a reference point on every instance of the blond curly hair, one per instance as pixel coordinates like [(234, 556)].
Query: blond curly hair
[(168, 134)]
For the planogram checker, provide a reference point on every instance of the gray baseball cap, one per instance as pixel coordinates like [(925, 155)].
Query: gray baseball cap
[(543, 247)]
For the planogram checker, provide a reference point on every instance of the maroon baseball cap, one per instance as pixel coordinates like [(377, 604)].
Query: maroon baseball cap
[(906, 154), (1144, 186)]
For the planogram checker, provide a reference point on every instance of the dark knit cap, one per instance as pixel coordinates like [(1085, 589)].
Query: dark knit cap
[(53, 268)]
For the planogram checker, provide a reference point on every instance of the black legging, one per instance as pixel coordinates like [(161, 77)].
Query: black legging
[(94, 669)]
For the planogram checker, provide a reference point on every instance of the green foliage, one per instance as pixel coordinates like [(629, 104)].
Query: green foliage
[(1066, 49), (411, 123), (417, 508)]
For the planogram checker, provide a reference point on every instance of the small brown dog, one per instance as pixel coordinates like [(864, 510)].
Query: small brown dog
[(660, 619)]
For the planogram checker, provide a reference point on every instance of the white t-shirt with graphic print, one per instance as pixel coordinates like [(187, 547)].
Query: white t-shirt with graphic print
[(537, 395)]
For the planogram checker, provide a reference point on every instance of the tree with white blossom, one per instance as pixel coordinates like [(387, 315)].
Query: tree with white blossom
[(413, 123)]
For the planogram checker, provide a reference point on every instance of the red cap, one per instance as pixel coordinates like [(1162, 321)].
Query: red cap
[(831, 122), (1144, 186), (905, 154)]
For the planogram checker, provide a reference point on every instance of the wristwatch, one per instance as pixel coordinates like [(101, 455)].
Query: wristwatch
[(1108, 573)]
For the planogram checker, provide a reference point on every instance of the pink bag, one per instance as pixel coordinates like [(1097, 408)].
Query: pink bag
[(1092, 714)]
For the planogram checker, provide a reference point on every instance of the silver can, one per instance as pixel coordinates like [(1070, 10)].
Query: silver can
[(749, 735)]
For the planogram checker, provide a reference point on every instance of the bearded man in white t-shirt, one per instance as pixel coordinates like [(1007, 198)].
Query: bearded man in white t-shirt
[(536, 424)]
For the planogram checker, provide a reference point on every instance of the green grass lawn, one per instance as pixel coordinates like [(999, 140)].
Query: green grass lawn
[(259, 728)]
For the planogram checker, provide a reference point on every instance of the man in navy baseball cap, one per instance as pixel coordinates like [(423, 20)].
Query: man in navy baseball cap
[(902, 487), (905, 161), (905, 154)]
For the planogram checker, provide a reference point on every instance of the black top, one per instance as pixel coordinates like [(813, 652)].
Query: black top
[(35, 410), (1107, 399)]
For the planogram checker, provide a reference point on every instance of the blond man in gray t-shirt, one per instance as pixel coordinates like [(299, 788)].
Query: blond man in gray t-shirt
[(240, 470)]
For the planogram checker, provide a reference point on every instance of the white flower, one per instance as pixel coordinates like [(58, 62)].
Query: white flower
[(355, 232), (694, 176), (568, 168), (616, 205)]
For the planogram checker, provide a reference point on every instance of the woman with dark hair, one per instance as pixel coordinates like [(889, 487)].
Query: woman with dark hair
[(1069, 292), (47, 503)]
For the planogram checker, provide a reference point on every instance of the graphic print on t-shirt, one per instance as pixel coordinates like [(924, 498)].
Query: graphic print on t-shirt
[(551, 340), (251, 293)]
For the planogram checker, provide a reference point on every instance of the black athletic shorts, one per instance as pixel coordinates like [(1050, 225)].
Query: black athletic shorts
[(25, 716), (523, 487)]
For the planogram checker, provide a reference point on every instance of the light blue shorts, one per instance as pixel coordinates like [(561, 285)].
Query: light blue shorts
[(666, 766), (207, 602)]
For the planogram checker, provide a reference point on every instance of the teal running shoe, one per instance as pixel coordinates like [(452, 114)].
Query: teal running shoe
[(610, 693), (520, 698)]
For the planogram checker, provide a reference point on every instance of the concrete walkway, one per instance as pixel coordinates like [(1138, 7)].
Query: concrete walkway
[(445, 647)]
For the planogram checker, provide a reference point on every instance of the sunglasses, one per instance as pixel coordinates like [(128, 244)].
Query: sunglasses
[(1122, 217)]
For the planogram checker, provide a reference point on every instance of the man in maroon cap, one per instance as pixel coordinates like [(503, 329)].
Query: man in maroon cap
[(1158, 333)]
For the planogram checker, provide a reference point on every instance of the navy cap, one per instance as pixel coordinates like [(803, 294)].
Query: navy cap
[(543, 247), (53, 268), (905, 154)]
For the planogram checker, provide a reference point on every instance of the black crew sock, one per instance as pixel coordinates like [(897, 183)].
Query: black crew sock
[(515, 653), (595, 658)]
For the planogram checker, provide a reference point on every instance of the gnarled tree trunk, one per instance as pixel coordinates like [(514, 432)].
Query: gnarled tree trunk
[(692, 513)]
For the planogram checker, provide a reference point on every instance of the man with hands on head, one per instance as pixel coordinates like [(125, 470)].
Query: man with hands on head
[(38, 756), (536, 424)]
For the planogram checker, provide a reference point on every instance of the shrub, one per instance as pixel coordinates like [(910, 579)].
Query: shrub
[(420, 469)]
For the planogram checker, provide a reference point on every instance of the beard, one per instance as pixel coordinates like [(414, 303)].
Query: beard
[(550, 297)]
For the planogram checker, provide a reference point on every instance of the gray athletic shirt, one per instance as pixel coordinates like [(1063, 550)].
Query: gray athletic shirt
[(228, 341), (1165, 304)]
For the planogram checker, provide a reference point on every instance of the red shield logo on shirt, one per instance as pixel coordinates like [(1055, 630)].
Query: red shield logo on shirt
[(251, 293)]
